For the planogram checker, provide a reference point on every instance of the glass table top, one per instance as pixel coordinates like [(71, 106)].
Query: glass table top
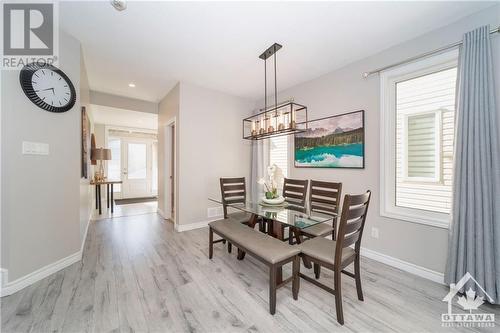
[(289, 214)]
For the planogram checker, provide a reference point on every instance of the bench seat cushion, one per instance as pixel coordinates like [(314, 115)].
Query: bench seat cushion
[(268, 248), (324, 250)]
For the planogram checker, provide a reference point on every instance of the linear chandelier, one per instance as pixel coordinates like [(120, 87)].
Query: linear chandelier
[(278, 119)]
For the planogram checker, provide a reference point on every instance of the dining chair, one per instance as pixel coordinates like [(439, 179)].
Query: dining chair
[(233, 191), (295, 193), (337, 255), (324, 197)]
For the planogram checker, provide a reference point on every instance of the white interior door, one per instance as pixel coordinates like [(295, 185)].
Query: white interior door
[(136, 168), (169, 171)]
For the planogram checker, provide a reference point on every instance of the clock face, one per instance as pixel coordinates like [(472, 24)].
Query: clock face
[(51, 87), (48, 87)]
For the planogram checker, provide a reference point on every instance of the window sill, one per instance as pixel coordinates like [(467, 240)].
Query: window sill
[(438, 220)]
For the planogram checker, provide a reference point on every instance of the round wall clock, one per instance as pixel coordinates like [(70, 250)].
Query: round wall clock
[(48, 87)]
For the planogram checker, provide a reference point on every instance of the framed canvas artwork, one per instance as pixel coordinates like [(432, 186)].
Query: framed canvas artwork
[(332, 142), (85, 144)]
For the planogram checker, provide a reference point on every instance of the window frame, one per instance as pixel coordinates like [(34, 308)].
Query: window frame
[(388, 118)]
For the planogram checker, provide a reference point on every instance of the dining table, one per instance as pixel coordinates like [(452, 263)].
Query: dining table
[(279, 217)]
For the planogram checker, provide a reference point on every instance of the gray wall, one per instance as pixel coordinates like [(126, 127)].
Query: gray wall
[(100, 136), (168, 108), (41, 220), (121, 102), (209, 146), (345, 90), (86, 193)]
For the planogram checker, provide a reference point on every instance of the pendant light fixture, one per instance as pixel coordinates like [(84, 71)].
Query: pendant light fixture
[(278, 119)]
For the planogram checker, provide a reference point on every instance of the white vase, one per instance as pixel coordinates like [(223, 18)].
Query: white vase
[(276, 201)]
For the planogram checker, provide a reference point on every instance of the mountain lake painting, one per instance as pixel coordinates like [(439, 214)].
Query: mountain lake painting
[(333, 142)]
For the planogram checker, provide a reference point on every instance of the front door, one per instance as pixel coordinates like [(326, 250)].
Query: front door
[(136, 168)]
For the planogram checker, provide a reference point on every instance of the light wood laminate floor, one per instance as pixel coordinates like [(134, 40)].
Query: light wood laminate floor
[(139, 275), (125, 210)]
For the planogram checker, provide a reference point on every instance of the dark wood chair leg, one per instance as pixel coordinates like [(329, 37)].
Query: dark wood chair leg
[(307, 262), (229, 247), (210, 243), (338, 296), (357, 278), (272, 289), (296, 277), (317, 270), (241, 255)]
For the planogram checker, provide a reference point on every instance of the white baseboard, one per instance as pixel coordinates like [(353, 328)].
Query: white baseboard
[(85, 236), (404, 265), (197, 225), (161, 213), (11, 287), (4, 276), (8, 288)]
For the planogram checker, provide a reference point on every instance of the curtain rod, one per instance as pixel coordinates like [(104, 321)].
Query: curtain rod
[(423, 55)]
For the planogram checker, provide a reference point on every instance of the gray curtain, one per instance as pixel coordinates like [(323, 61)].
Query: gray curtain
[(260, 161), (474, 243)]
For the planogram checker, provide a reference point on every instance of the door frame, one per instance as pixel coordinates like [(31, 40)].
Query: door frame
[(170, 148), (118, 195)]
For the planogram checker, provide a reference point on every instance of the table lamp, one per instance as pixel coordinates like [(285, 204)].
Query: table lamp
[(101, 155)]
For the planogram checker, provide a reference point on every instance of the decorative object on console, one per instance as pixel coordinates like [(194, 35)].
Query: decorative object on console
[(278, 119), (92, 147), (101, 155), (332, 142), (47, 87), (275, 177)]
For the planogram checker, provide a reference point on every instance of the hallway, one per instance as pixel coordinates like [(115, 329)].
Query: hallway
[(126, 210)]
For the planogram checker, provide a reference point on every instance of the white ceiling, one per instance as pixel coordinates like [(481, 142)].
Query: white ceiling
[(123, 118), (216, 44)]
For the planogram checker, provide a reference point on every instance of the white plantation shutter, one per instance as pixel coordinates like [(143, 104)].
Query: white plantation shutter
[(422, 156), (425, 114), (278, 153)]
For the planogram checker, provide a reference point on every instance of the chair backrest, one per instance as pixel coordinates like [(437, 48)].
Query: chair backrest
[(352, 223), (295, 191), (233, 190), (324, 197)]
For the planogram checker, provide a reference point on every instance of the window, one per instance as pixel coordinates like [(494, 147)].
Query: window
[(278, 153), (420, 147), (137, 161), (114, 166), (417, 133), (154, 178)]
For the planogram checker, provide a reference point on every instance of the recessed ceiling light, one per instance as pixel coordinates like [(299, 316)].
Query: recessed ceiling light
[(131, 85), (119, 5)]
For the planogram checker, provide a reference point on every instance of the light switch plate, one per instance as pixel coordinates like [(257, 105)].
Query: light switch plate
[(35, 148)]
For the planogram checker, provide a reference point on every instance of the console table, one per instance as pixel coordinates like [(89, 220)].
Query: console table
[(109, 193)]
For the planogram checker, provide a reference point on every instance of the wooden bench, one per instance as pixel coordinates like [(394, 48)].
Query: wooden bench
[(271, 251)]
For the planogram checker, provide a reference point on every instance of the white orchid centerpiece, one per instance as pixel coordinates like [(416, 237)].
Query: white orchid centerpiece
[(274, 177)]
